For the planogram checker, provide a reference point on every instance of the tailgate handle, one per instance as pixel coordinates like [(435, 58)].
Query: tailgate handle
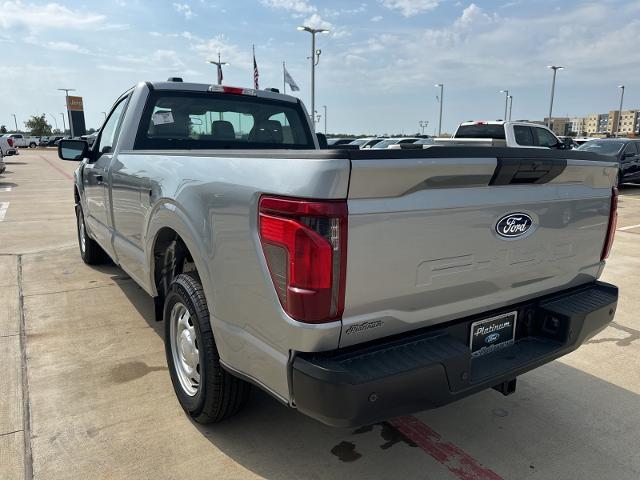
[(514, 171)]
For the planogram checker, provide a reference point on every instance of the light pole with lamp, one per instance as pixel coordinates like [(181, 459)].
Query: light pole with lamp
[(218, 64), (66, 97), (315, 58), (506, 102), (423, 124), (621, 87), (555, 69), (510, 97), (55, 120), (441, 86), (325, 118), (15, 120)]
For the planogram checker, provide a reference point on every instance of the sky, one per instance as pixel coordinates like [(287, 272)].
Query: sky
[(378, 66)]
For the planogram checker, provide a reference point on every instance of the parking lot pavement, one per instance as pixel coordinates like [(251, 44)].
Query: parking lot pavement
[(85, 391)]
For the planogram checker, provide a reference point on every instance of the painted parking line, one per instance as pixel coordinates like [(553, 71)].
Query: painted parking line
[(56, 167), (4, 206), (629, 227), (462, 465)]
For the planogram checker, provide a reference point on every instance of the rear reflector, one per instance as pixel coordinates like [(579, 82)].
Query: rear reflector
[(613, 222), (305, 245), (10, 141)]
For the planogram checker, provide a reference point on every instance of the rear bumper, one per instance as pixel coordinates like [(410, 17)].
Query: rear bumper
[(400, 375)]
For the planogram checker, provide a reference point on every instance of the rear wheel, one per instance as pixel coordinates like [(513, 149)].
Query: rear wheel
[(206, 391), (90, 251)]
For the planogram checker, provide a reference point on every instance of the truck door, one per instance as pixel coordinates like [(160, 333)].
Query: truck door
[(95, 178)]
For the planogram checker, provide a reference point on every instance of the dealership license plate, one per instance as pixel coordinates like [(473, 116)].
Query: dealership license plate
[(492, 333)]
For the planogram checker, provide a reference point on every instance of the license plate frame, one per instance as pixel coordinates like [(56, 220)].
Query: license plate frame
[(494, 335)]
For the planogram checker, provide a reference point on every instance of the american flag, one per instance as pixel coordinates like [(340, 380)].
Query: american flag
[(256, 75)]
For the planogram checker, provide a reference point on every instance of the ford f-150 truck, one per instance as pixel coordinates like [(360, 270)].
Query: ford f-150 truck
[(353, 285)]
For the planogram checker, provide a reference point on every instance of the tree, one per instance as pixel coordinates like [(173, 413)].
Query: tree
[(3, 129), (38, 125)]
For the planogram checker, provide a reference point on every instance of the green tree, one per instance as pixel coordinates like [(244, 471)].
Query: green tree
[(3, 129), (38, 125)]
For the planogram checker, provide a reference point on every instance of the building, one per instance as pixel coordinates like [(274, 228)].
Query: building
[(578, 126), (590, 123), (612, 122), (628, 123), (561, 125)]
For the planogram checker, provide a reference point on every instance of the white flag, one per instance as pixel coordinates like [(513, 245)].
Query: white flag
[(289, 79)]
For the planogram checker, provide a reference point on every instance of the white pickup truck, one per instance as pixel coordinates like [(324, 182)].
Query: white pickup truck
[(20, 140), (503, 134)]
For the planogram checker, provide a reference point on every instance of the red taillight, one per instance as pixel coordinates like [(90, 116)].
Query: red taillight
[(233, 90), (10, 141), (613, 222), (305, 245)]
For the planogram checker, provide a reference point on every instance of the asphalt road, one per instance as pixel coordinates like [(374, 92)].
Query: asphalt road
[(85, 392)]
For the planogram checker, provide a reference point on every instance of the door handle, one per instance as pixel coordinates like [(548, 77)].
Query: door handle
[(98, 179)]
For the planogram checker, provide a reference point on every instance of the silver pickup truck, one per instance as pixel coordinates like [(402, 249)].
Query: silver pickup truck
[(352, 285)]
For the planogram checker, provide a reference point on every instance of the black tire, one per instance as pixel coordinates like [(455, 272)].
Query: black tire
[(219, 394), (32, 145), (91, 253)]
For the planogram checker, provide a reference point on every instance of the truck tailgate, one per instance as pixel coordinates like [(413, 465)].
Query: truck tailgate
[(423, 245)]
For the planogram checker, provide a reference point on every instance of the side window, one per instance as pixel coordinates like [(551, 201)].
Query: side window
[(630, 148), (523, 135), (109, 134), (545, 138)]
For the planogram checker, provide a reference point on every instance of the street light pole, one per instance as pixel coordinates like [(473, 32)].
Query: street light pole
[(621, 87), (441, 85), (15, 121), (66, 97), (423, 124), (64, 125), (555, 69), (55, 120), (506, 102), (218, 64), (315, 58), (325, 118), (510, 105)]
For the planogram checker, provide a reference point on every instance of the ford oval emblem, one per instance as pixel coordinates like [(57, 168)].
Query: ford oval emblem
[(491, 338), (514, 225)]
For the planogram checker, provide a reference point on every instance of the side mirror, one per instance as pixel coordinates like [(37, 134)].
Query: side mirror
[(322, 141), (72, 149)]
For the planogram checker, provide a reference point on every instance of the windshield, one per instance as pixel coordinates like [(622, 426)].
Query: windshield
[(480, 130), (386, 143), (205, 120), (359, 141), (604, 147)]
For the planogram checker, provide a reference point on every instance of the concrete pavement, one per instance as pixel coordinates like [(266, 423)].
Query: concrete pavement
[(85, 391)]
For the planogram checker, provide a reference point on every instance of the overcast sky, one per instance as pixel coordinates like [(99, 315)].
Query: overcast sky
[(378, 64)]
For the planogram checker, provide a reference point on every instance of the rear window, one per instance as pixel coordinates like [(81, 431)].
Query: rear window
[(204, 120), (480, 130)]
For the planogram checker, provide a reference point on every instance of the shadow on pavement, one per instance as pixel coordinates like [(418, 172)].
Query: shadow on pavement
[(559, 420)]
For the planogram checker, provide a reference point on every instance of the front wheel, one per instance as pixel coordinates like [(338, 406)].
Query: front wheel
[(32, 145), (206, 391)]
